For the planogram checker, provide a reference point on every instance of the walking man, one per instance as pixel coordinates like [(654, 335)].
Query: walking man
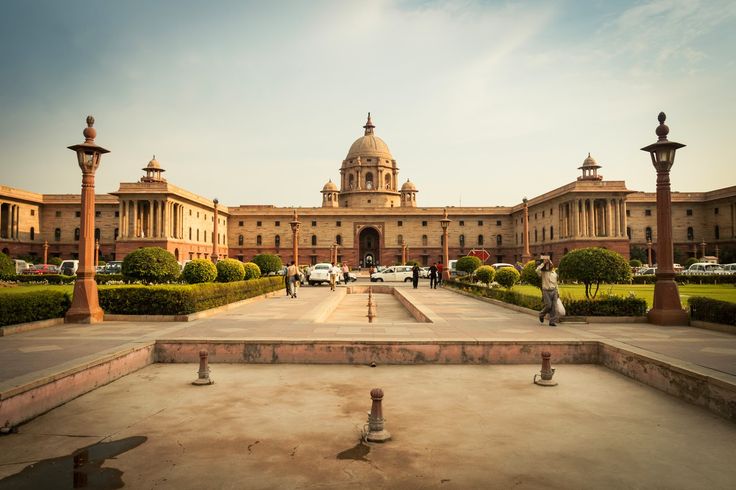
[(345, 272), (293, 274), (287, 283), (433, 276), (439, 273), (550, 294), (415, 276), (333, 276)]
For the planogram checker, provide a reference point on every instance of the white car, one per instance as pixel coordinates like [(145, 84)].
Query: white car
[(501, 265), (394, 273), (69, 267), (729, 268), (320, 273), (703, 268)]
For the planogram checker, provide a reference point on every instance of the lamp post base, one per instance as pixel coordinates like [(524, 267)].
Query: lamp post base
[(670, 318), (667, 309), (85, 305)]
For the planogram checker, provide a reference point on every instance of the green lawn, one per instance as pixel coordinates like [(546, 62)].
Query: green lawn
[(723, 292)]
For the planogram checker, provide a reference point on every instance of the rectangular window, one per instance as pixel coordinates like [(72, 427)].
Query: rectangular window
[(277, 223), (628, 213), (424, 223), (715, 211), (550, 211), (400, 223), (314, 223), (241, 223), (498, 222), (258, 223), (77, 214), (462, 223), (58, 214), (117, 214), (33, 212), (689, 212), (338, 223), (647, 212), (480, 222), (542, 214), (97, 214)]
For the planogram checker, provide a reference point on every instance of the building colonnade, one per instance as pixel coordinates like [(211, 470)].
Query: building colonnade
[(151, 218), (592, 217), (9, 221)]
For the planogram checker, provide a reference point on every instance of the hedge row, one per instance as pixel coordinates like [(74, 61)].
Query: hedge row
[(689, 279), (182, 299), (33, 306), (712, 310), (57, 279), (609, 306)]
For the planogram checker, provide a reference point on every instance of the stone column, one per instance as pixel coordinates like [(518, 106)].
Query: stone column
[(215, 233), (574, 218), (527, 255), (607, 210), (624, 220), (149, 227), (121, 218), (135, 218)]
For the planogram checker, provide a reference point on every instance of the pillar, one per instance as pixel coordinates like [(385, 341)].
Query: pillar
[(135, 219), (608, 218)]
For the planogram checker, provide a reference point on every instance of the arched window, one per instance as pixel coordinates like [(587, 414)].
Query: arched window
[(462, 240), (690, 233), (369, 180), (259, 240), (190, 232), (424, 240), (648, 233), (400, 239), (628, 232), (76, 233), (241, 239), (314, 240), (338, 239), (33, 233), (718, 232), (97, 233), (387, 181), (544, 233), (551, 232), (197, 234), (499, 240), (277, 241), (57, 234), (480, 239), (535, 235), (117, 232), (351, 181)]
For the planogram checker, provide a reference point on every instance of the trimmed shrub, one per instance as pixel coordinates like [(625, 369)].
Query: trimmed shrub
[(706, 279), (635, 263), (644, 279), (593, 266), (252, 271), (690, 261), (468, 264), (268, 263), (151, 265), (32, 306), (44, 279), (181, 299), (512, 297), (485, 273), (712, 310), (529, 274), (7, 267), (609, 306), (198, 271), (230, 270), (106, 278), (507, 277)]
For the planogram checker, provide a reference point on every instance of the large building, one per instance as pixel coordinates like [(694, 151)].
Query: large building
[(368, 215)]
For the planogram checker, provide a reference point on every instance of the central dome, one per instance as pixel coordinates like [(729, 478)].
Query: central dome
[(369, 145)]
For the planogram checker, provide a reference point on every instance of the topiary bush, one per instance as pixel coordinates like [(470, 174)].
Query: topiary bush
[(151, 265), (268, 263), (485, 273), (198, 271), (507, 277), (529, 275), (689, 262), (593, 266), (608, 306), (635, 263), (230, 270), (252, 271), (32, 306), (468, 264), (7, 267)]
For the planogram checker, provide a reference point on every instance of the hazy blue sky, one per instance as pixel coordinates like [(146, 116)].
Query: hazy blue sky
[(258, 102)]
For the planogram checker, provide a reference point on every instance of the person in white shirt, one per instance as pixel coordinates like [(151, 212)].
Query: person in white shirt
[(334, 271), (550, 294), (292, 273)]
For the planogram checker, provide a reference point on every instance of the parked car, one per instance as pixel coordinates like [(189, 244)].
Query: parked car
[(703, 268), (320, 274), (501, 265), (46, 269), (395, 273), (113, 267), (424, 272), (452, 265), (646, 271), (20, 266), (69, 267), (729, 268)]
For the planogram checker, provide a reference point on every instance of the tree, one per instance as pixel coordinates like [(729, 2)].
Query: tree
[(690, 261), (507, 277), (485, 273), (529, 274), (7, 266), (468, 264), (150, 264), (198, 271), (638, 253), (268, 263), (593, 266)]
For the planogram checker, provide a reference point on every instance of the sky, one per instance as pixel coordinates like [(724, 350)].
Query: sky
[(480, 103)]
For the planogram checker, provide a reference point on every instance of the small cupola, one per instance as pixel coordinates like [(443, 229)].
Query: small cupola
[(153, 171), (590, 169)]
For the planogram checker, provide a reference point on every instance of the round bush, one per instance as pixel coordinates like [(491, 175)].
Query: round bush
[(690, 261), (150, 264), (485, 273), (252, 271), (230, 270), (635, 263), (268, 263), (7, 266), (468, 264), (507, 277), (529, 275), (198, 271), (593, 266)]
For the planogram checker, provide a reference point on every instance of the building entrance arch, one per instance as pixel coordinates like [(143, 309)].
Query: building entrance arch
[(369, 246)]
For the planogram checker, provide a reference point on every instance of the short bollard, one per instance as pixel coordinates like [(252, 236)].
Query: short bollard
[(204, 370), (376, 432), (371, 307), (545, 375)]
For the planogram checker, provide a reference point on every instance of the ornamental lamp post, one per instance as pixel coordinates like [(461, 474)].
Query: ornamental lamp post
[(45, 252), (526, 256), (445, 222), (215, 232), (403, 252), (85, 306), (702, 248), (667, 309), (649, 253), (295, 237)]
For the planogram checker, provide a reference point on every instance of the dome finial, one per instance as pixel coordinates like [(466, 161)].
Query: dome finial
[(662, 130), (90, 133), (369, 125)]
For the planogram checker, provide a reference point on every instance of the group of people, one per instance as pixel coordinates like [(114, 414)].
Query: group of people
[(435, 275)]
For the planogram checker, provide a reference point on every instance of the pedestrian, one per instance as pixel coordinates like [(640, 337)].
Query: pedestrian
[(287, 283), (293, 274), (415, 275), (333, 276), (439, 273), (433, 276), (345, 272), (550, 294)]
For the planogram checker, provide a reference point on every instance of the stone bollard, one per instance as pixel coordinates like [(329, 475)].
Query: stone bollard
[(204, 370), (376, 432), (545, 375), (371, 307)]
